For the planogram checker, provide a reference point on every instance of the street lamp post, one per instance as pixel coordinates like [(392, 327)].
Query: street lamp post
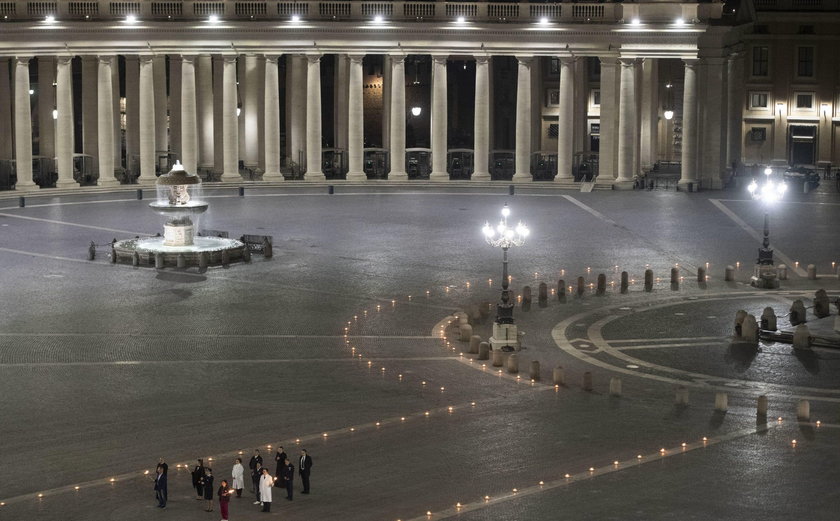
[(505, 335), (768, 192)]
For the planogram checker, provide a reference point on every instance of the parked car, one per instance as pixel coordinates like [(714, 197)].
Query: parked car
[(799, 176)]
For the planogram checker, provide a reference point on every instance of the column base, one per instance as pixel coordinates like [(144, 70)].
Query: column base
[(622, 185), (146, 181), (765, 277), (505, 336), (229, 177), (26, 187), (273, 177), (564, 179), (66, 183), (439, 176), (108, 181), (480, 176), (314, 176), (356, 176), (397, 176), (688, 185), (522, 178)]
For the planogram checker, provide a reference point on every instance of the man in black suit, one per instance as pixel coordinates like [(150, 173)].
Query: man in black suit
[(160, 487), (280, 458), (304, 468), (287, 474), (256, 458), (256, 474)]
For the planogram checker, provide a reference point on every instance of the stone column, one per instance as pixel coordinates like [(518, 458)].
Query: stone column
[(566, 120), (712, 120), (218, 115), (608, 119), (272, 120), (7, 119), (440, 100), (46, 104), (230, 123), (386, 101), (313, 118), (341, 93), (522, 160), (64, 128), (189, 123), (174, 101), (90, 104), (116, 121), (355, 121), (481, 129), (689, 125), (132, 113), (160, 106), (296, 111), (397, 135), (148, 114), (650, 112), (734, 108), (23, 126), (250, 111), (204, 110), (626, 124), (105, 95)]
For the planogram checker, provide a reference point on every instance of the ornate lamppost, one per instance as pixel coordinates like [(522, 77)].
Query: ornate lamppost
[(768, 192), (505, 336)]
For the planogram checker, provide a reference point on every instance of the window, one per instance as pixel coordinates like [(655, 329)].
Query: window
[(805, 100), (805, 62), (806, 29), (553, 130), (758, 100), (596, 98), (552, 98), (760, 61), (758, 134)]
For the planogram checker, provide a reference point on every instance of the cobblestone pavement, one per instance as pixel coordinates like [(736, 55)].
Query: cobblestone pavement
[(335, 345)]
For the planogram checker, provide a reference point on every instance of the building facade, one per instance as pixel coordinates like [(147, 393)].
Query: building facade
[(108, 92)]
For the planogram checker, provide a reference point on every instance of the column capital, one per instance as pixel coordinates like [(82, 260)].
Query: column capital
[(229, 58), (23, 59), (568, 60), (188, 57), (525, 59), (314, 57), (481, 59), (273, 56), (63, 60), (397, 57), (691, 62), (628, 62), (146, 58), (356, 58), (608, 61), (106, 59), (440, 58)]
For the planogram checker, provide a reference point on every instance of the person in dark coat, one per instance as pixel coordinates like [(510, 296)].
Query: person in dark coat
[(207, 485), (280, 458), (255, 480), (287, 474), (161, 491), (304, 469), (252, 464), (197, 476), (224, 499), (162, 465)]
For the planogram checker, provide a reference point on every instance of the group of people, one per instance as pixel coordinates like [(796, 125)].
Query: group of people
[(262, 481)]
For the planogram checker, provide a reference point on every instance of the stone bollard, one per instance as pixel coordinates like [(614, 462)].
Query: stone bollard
[(822, 306), (462, 317), (484, 310), (159, 261), (675, 278), (92, 251), (749, 330), (625, 280), (701, 274), (246, 254), (513, 363), (602, 285), (721, 402), (561, 290), (484, 351), (464, 332), (225, 258), (268, 249), (797, 313), (587, 381), (783, 274), (615, 386), (761, 406), (803, 411), (812, 272), (498, 357), (475, 341), (648, 280), (559, 375), (801, 337), (768, 319), (740, 315), (203, 261), (543, 294), (581, 286), (681, 396), (535, 370), (526, 298), (181, 261), (135, 259), (729, 274), (113, 254)]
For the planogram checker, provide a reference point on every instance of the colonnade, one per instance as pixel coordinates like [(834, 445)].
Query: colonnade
[(205, 101)]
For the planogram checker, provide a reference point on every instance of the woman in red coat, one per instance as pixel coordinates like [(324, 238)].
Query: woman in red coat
[(224, 499)]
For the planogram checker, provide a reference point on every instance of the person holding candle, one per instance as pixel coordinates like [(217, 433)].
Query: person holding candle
[(256, 475), (160, 487), (224, 499), (266, 482), (280, 458), (238, 473)]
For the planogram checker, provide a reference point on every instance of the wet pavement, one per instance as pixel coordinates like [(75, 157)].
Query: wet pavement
[(334, 345)]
